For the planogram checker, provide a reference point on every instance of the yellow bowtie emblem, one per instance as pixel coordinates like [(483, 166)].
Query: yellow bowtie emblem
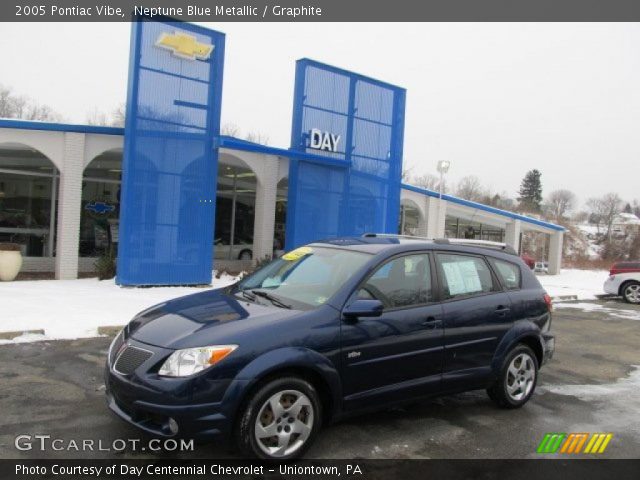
[(184, 45)]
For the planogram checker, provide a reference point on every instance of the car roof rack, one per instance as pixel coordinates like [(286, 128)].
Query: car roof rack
[(503, 247), (393, 235)]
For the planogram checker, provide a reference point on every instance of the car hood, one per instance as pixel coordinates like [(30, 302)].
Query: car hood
[(207, 318)]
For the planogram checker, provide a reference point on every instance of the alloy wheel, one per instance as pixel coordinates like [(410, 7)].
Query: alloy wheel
[(632, 293), (284, 423), (521, 376)]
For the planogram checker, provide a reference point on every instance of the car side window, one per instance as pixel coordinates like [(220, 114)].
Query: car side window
[(464, 275), (401, 282), (508, 272)]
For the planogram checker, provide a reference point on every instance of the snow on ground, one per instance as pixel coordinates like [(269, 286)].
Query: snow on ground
[(76, 308), (585, 284), (595, 307)]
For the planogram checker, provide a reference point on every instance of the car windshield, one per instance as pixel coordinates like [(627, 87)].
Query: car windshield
[(305, 277)]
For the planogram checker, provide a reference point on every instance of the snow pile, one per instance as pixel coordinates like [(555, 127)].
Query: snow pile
[(76, 308), (584, 284), (25, 338)]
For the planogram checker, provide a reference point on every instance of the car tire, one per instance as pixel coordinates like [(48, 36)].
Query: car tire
[(293, 431), (245, 255), (630, 292), (517, 379)]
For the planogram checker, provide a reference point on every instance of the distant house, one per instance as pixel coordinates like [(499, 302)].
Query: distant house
[(626, 224)]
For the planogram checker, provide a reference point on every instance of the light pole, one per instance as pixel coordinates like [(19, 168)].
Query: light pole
[(443, 167)]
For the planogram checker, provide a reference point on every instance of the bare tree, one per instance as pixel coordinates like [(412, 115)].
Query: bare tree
[(19, 106), (96, 117), (560, 202), (605, 209), (427, 180), (230, 129), (118, 115), (257, 137), (581, 216), (469, 188), (115, 119)]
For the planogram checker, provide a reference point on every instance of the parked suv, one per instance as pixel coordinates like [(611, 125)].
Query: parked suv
[(329, 330)]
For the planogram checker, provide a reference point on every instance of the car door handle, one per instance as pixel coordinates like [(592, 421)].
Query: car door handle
[(502, 310), (431, 322)]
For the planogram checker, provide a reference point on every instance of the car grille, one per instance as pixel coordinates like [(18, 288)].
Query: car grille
[(130, 359)]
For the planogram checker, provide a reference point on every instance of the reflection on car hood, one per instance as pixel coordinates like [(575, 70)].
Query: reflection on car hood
[(207, 318)]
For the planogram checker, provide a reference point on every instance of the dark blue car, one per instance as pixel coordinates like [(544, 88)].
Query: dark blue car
[(328, 330)]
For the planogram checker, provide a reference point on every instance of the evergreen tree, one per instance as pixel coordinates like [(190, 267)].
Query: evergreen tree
[(531, 191)]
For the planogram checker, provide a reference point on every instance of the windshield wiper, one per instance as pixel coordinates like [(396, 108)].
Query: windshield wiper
[(275, 300), (248, 295)]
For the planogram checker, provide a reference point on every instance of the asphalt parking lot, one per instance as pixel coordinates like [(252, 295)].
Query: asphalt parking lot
[(55, 388)]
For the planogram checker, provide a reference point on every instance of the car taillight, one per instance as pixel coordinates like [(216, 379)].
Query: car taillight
[(547, 300)]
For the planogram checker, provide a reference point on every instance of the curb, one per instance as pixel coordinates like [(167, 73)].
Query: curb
[(18, 333), (109, 331)]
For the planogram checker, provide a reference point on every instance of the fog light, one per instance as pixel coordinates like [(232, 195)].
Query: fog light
[(173, 426)]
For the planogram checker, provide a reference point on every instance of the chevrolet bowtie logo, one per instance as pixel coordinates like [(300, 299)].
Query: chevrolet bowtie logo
[(184, 45)]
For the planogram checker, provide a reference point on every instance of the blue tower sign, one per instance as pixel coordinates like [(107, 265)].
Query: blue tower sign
[(349, 130), (170, 161)]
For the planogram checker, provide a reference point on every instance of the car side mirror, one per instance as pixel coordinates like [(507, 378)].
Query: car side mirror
[(363, 308)]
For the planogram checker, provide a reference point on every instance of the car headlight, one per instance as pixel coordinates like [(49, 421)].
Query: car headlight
[(183, 363)]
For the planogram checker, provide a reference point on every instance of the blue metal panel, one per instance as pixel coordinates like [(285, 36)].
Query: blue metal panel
[(328, 200), (170, 161)]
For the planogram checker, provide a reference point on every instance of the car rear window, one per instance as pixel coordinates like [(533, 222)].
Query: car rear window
[(509, 273), (626, 265)]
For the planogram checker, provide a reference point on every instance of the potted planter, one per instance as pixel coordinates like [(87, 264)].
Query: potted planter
[(10, 261)]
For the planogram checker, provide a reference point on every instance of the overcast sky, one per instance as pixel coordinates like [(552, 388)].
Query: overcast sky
[(494, 99)]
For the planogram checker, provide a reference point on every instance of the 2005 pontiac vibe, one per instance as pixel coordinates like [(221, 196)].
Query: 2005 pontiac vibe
[(328, 330)]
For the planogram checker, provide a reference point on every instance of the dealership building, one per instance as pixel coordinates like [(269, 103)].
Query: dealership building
[(172, 196)]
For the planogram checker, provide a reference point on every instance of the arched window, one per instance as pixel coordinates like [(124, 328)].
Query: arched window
[(100, 206), (28, 199)]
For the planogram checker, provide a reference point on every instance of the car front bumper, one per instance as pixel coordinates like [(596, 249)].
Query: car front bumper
[(200, 407), (196, 421)]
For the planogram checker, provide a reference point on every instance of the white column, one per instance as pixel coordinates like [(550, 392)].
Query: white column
[(265, 210), (436, 214), (69, 200), (512, 234), (423, 221), (555, 253)]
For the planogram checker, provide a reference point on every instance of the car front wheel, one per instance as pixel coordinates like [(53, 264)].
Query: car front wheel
[(631, 292), (517, 379), (280, 420)]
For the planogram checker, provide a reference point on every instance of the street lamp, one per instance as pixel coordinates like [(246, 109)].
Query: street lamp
[(443, 167)]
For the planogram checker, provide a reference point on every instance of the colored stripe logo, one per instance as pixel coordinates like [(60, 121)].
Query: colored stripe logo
[(574, 443)]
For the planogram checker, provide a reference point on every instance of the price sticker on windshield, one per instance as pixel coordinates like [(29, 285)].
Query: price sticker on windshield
[(297, 254)]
